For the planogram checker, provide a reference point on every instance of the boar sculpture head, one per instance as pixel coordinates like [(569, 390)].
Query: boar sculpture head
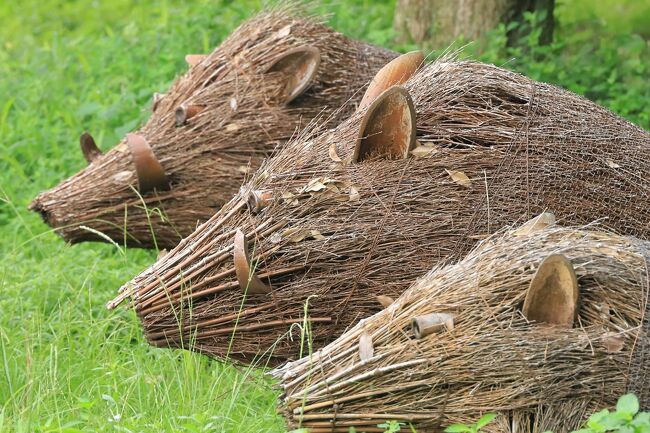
[(273, 76), (333, 226), (541, 326)]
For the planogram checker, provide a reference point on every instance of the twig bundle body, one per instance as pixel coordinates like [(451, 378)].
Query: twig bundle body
[(539, 377), (495, 148), (239, 118)]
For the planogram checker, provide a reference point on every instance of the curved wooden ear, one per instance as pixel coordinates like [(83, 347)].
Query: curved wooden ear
[(89, 147), (194, 59), (387, 128), (150, 173), (397, 71), (552, 296), (300, 66), (247, 279)]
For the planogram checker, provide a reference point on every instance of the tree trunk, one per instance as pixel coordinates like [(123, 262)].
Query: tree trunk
[(441, 22)]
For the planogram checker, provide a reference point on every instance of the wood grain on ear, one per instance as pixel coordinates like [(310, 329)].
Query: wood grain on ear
[(552, 296), (300, 66), (397, 71), (388, 127)]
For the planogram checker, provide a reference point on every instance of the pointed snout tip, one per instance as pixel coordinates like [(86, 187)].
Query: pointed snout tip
[(34, 205), (37, 205), (126, 291)]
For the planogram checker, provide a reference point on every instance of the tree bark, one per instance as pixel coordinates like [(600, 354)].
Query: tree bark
[(441, 22)]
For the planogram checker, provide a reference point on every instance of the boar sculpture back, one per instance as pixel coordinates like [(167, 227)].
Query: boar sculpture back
[(543, 327), (274, 75), (332, 222)]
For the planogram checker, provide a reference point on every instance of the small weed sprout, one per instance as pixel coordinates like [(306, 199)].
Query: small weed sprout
[(473, 428), (625, 419)]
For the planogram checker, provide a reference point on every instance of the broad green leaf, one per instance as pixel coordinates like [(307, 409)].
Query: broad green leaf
[(458, 428), (594, 419), (642, 418), (485, 420), (628, 404)]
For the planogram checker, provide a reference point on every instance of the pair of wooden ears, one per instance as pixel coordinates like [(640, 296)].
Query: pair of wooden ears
[(149, 172), (388, 126), (298, 65)]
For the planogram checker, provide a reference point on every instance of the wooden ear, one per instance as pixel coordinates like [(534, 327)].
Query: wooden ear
[(150, 173), (552, 296), (388, 127), (194, 59), (397, 71), (300, 66), (89, 147)]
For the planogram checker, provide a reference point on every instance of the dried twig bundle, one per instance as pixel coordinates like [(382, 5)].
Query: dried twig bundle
[(490, 333), (332, 222), (275, 74)]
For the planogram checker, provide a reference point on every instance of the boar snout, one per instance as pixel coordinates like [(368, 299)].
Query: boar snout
[(38, 205)]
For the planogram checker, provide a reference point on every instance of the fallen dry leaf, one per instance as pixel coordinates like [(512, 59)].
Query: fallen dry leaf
[(540, 222), (354, 194), (613, 342), (384, 300), (459, 177), (366, 350), (422, 151), (283, 32), (333, 155)]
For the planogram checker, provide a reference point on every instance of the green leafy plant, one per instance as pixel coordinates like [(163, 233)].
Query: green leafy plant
[(391, 426), (625, 419), (473, 428)]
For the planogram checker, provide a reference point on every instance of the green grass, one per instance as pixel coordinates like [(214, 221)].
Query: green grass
[(66, 363)]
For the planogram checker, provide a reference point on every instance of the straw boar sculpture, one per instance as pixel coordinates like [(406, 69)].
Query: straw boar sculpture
[(274, 75), (543, 327), (334, 225)]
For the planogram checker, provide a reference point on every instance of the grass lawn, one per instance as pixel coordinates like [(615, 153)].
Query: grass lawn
[(66, 363)]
